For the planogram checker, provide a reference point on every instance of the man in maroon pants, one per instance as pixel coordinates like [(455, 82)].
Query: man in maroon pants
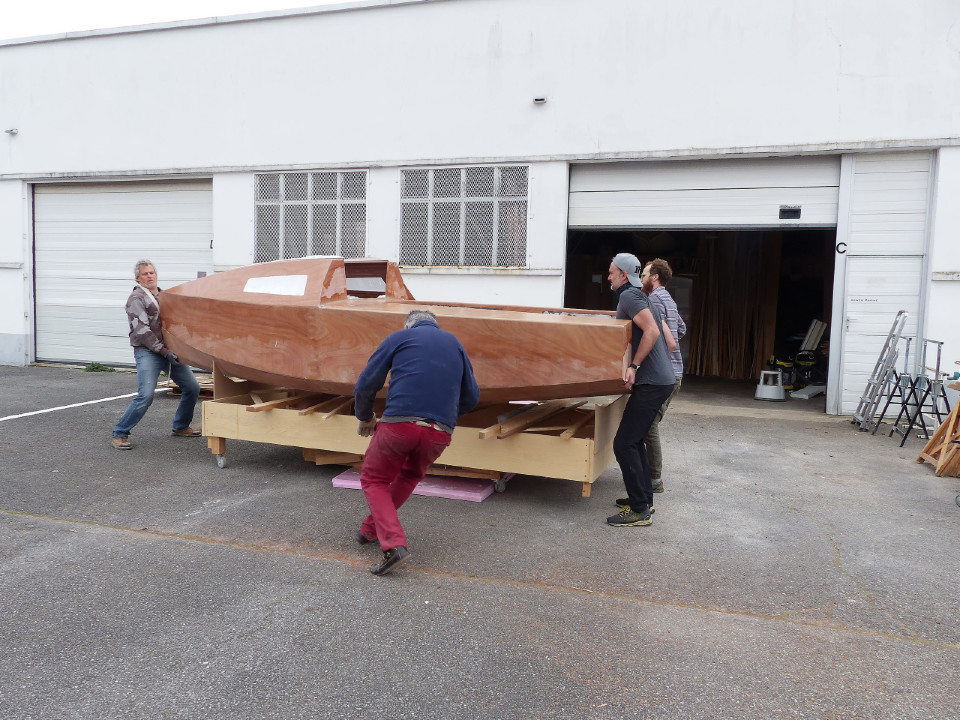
[(431, 385)]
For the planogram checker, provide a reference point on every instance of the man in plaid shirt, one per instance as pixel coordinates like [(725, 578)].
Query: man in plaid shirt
[(656, 275)]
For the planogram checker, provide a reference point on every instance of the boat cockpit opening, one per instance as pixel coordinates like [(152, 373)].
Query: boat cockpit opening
[(366, 277)]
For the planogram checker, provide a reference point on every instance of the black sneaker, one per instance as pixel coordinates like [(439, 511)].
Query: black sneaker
[(362, 539), (628, 518), (391, 558), (625, 503)]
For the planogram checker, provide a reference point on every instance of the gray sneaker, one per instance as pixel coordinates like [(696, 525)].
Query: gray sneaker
[(629, 518)]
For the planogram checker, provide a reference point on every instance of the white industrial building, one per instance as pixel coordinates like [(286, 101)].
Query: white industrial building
[(501, 151)]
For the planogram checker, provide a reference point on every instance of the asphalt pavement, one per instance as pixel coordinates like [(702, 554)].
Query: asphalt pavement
[(795, 568)]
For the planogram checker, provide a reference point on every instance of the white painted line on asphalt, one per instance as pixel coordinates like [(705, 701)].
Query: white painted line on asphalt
[(67, 407)]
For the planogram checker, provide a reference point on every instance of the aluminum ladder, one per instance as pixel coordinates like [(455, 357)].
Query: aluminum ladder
[(880, 377)]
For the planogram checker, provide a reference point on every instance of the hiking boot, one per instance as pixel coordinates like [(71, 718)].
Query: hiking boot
[(187, 432), (121, 443), (391, 558), (628, 518), (625, 503), (362, 539)]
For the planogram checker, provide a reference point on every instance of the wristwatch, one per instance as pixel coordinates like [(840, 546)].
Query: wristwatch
[(634, 366)]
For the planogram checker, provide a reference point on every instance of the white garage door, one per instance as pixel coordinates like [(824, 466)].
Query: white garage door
[(770, 192), (87, 239), (883, 270)]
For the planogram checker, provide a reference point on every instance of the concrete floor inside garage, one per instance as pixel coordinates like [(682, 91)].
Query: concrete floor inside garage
[(795, 568)]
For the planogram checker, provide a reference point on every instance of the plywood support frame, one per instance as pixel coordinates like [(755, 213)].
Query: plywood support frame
[(523, 441)]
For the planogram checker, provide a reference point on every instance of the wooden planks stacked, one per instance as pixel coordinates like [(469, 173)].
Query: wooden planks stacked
[(204, 380), (735, 301)]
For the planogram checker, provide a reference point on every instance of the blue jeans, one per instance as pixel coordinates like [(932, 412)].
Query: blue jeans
[(149, 367)]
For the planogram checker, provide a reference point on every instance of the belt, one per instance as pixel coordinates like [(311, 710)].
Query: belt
[(424, 423)]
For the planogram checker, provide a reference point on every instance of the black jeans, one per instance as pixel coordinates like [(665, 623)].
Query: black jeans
[(642, 408)]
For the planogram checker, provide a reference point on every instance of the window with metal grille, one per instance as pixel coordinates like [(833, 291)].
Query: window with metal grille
[(464, 216), (311, 213)]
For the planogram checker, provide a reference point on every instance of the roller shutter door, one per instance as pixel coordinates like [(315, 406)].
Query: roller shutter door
[(88, 238)]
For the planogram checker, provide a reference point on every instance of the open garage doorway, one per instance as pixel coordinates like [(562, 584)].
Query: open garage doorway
[(746, 295)]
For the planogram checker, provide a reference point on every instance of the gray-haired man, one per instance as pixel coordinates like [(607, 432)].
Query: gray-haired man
[(431, 385), (152, 357)]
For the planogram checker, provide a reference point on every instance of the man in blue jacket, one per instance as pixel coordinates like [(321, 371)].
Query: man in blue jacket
[(431, 385)]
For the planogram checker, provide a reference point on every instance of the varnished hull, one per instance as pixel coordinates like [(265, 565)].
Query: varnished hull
[(321, 339)]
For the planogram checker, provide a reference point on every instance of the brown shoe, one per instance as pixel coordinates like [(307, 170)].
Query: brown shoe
[(187, 432), (121, 443)]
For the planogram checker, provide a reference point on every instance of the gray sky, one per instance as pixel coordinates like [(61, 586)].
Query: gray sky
[(27, 18)]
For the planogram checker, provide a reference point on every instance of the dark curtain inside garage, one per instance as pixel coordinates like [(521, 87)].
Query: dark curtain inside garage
[(735, 304), (745, 294)]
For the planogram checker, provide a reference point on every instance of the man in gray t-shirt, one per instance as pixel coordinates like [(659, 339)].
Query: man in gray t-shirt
[(650, 380)]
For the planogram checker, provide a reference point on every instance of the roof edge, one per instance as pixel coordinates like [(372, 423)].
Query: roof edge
[(679, 154), (213, 21)]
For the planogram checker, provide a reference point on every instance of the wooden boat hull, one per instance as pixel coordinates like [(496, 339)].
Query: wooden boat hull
[(251, 322)]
